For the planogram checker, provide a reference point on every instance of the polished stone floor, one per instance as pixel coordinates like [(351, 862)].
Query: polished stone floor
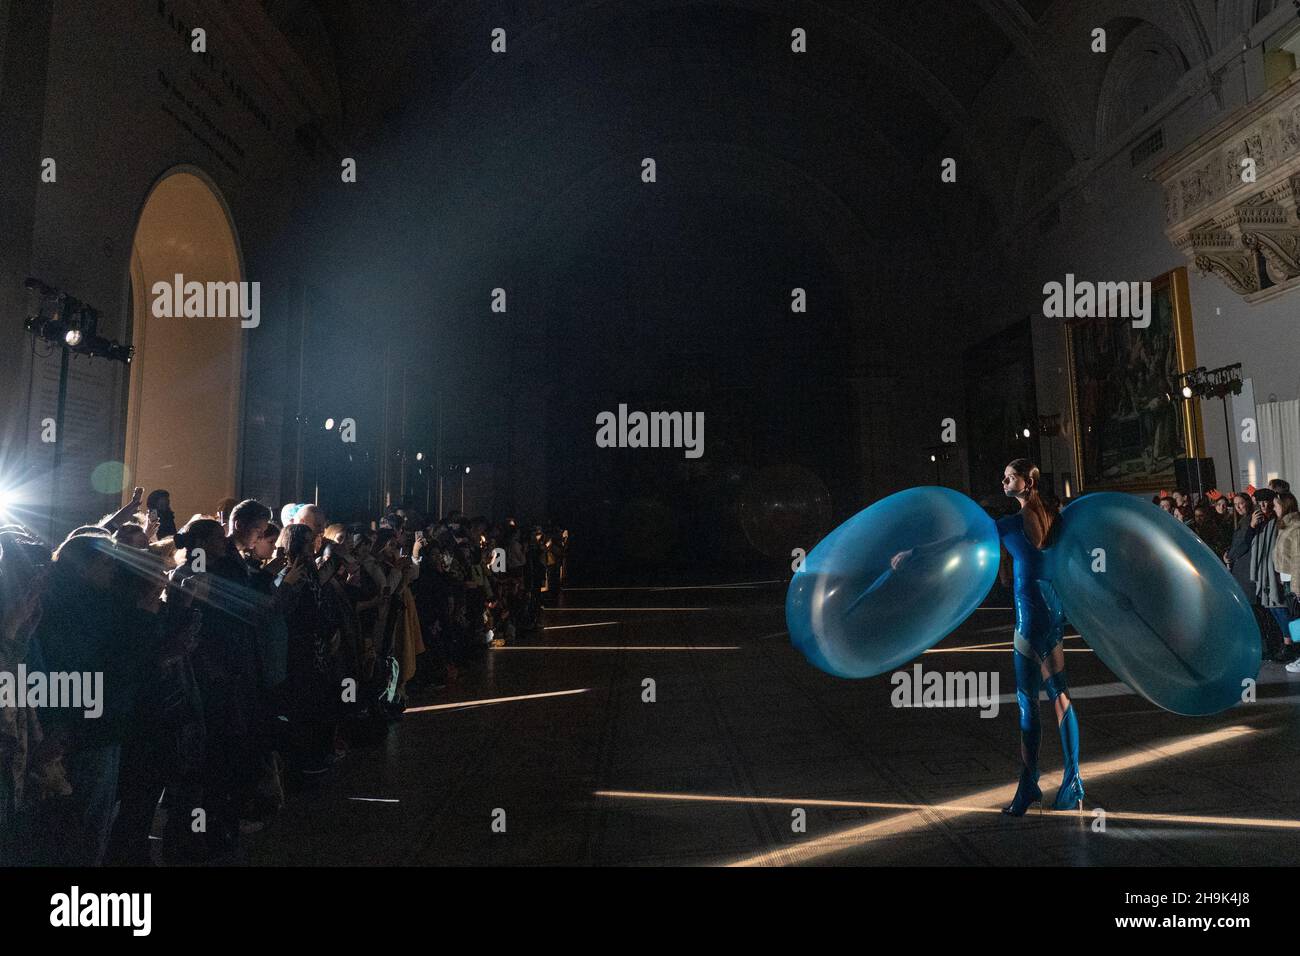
[(743, 733)]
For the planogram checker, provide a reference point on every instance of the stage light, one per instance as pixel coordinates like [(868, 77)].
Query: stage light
[(329, 423), (419, 456), (71, 324), (932, 458), (6, 502), (467, 469), (1025, 433), (1216, 383)]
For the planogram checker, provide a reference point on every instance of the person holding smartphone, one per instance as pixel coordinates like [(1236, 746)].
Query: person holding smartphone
[(1270, 594)]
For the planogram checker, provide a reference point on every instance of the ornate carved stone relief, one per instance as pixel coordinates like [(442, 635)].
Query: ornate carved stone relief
[(1238, 219)]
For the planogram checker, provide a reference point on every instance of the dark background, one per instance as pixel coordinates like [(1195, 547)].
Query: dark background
[(775, 170)]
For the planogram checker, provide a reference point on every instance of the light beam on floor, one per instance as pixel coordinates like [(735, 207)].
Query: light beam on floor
[(956, 808), (1005, 645), (566, 627), (918, 816), (494, 700)]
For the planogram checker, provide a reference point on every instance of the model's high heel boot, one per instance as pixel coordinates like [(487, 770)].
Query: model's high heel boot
[(1027, 794), (1071, 793), (1027, 791)]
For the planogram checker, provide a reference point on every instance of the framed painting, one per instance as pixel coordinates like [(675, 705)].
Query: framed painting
[(1131, 422)]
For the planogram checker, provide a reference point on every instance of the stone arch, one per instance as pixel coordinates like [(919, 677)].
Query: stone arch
[(1145, 67), (185, 398)]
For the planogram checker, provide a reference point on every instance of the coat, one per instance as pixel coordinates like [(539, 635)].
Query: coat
[(1268, 586), (1286, 549)]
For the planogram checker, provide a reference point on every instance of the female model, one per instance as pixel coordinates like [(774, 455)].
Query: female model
[(1039, 656)]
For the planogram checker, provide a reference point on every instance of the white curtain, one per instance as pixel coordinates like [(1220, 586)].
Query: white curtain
[(1279, 441)]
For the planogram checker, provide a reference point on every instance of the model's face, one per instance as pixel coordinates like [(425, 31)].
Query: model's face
[(1012, 484)]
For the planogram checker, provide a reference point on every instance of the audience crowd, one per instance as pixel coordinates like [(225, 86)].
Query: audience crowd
[(1256, 532), (230, 659), (243, 653)]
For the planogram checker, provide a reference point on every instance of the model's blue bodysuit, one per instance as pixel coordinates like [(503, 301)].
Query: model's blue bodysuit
[(1039, 620), (1040, 628)]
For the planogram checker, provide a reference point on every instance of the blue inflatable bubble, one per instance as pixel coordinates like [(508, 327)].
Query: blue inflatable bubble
[(853, 614), (1165, 615)]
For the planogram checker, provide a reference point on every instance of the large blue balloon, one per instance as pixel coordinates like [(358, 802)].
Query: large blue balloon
[(854, 615), (1164, 615)]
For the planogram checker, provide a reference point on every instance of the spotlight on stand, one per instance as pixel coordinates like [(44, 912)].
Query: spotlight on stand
[(73, 326), (1216, 383)]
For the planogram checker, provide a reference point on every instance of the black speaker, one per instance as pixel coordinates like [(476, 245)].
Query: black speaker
[(1194, 474)]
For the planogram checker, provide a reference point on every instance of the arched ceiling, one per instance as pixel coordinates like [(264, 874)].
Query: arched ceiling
[(465, 152), (939, 53), (884, 93)]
